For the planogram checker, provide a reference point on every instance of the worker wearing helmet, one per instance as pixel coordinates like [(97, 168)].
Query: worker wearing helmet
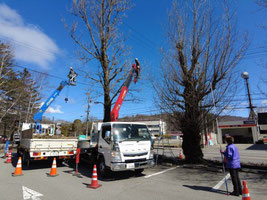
[(72, 76)]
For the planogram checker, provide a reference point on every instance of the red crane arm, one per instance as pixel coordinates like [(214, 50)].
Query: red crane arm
[(124, 89)]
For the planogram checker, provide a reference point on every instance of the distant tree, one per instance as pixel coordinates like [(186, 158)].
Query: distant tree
[(84, 126), (66, 129), (197, 69), (77, 127), (100, 19), (27, 105), (8, 80), (8, 86), (17, 91)]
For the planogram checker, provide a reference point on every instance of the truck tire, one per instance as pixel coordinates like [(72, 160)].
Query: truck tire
[(138, 171), (26, 159), (102, 168)]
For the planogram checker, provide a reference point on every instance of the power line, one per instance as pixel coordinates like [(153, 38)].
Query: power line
[(44, 73)]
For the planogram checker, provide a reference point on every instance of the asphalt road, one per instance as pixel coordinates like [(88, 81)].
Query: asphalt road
[(249, 153), (160, 182)]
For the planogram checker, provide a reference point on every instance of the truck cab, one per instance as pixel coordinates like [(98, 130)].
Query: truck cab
[(122, 146)]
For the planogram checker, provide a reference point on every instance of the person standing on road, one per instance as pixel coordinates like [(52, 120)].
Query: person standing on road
[(233, 165)]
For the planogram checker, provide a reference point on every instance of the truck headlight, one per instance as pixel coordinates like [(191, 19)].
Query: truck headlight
[(116, 157)]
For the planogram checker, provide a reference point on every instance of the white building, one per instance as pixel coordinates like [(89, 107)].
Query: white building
[(242, 131), (156, 128), (46, 128)]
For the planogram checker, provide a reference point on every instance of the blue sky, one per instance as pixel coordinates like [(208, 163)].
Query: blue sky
[(41, 42)]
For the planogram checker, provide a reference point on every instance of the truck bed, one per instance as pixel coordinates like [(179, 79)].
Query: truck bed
[(43, 148), (49, 144)]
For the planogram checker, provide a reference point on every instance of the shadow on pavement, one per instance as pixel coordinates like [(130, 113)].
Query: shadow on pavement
[(258, 147), (205, 188), (86, 171)]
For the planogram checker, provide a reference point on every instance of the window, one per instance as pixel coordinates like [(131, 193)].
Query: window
[(122, 132), (106, 130)]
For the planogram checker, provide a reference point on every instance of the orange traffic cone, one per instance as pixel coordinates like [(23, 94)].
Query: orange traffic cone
[(181, 155), (9, 157), (53, 171), (18, 170), (94, 183), (245, 192)]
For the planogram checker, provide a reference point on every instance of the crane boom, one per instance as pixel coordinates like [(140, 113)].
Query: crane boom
[(124, 89), (39, 114)]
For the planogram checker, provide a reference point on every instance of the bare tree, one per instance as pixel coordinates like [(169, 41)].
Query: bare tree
[(263, 81), (198, 67), (262, 3), (95, 31)]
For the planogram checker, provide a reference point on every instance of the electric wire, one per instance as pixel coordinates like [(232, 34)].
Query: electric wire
[(46, 74)]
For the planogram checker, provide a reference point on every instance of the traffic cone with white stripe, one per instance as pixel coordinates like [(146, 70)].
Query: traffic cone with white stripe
[(9, 157), (18, 170), (53, 171), (245, 192), (94, 183)]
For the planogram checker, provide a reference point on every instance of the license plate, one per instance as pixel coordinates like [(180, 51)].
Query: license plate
[(130, 165), (54, 153)]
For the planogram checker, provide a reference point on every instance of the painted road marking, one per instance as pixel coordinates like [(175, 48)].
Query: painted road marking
[(216, 187), (158, 173), (30, 194)]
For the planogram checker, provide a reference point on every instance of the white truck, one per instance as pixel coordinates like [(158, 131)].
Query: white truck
[(46, 145), (119, 146), (38, 141)]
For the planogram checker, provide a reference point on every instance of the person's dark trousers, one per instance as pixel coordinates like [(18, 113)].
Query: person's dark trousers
[(236, 181)]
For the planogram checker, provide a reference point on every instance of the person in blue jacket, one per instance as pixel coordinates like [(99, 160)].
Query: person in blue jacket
[(233, 165)]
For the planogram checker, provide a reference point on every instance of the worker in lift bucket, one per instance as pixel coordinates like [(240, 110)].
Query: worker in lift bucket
[(137, 73), (72, 76)]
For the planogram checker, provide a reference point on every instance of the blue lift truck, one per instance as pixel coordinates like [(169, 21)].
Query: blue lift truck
[(37, 140)]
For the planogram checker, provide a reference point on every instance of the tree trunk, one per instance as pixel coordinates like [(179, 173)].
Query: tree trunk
[(107, 108), (191, 138), (191, 127)]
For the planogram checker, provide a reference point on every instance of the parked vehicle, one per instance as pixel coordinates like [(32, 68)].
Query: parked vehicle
[(39, 142), (119, 146), (43, 147)]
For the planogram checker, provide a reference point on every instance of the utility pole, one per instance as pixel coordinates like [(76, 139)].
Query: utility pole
[(252, 114), (87, 112)]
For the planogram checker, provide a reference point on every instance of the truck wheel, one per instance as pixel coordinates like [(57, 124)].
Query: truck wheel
[(26, 159), (102, 168), (138, 171)]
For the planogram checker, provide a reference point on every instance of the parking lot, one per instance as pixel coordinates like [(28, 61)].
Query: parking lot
[(160, 182)]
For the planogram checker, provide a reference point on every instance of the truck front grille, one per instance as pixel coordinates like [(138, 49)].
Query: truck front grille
[(135, 160), (134, 155)]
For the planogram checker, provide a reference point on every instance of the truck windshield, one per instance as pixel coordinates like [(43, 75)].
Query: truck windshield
[(122, 132)]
